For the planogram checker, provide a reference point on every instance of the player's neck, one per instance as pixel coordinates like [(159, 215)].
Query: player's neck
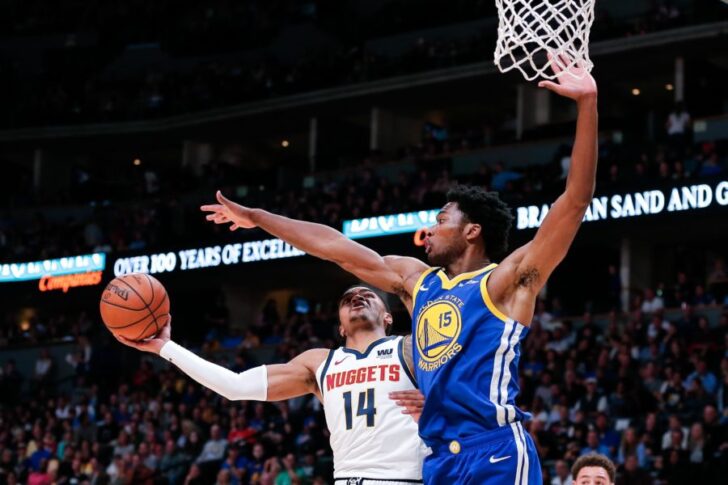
[(467, 263), (362, 339)]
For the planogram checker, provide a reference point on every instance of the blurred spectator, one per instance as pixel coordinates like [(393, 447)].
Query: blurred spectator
[(563, 474), (214, 448), (652, 303), (632, 447), (122, 446), (593, 446), (676, 435), (678, 126), (43, 367), (707, 379), (290, 474), (632, 473), (502, 177), (45, 452), (593, 401)]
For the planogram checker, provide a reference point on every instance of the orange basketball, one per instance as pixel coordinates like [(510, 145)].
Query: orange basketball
[(135, 306)]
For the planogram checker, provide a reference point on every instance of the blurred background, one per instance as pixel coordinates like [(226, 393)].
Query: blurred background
[(119, 118)]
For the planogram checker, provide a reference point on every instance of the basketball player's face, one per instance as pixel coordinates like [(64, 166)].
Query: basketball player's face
[(592, 475), (445, 241), (361, 307)]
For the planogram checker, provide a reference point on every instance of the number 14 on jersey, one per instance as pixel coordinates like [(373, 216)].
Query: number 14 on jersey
[(365, 407)]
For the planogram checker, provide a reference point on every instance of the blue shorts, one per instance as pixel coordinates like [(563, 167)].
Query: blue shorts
[(504, 456)]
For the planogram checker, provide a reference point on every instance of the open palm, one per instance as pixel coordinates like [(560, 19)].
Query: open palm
[(573, 82)]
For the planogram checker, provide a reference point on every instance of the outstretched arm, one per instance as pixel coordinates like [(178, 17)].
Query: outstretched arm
[(393, 274), (514, 285), (297, 377), (262, 383)]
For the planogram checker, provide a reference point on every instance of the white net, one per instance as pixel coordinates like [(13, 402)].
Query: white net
[(533, 34)]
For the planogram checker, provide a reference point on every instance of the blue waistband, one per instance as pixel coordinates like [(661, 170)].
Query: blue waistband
[(474, 442)]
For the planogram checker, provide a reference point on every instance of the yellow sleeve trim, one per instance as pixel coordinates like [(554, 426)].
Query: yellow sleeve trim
[(419, 283), (488, 302)]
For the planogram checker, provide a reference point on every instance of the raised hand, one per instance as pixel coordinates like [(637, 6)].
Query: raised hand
[(153, 345), (577, 87), (228, 211)]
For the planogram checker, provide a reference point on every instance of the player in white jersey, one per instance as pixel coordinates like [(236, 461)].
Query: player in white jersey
[(373, 441), (370, 436)]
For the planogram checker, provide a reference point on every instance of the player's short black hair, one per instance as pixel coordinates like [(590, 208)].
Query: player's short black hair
[(487, 209), (595, 460)]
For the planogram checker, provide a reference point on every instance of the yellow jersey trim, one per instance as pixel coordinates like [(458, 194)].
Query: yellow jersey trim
[(419, 283), (488, 302), (449, 284)]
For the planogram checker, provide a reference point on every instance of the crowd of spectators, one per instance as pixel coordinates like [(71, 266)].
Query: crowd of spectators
[(83, 90), (648, 389)]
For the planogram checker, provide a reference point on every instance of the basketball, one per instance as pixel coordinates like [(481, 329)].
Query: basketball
[(134, 306)]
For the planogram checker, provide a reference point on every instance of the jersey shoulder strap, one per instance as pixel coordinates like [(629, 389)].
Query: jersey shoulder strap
[(421, 281), (487, 299), (321, 371)]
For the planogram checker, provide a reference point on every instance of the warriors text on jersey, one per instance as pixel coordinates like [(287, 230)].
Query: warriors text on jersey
[(466, 357), (370, 437)]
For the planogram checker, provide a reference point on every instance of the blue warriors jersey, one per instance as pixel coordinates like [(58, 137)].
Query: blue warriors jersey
[(466, 357)]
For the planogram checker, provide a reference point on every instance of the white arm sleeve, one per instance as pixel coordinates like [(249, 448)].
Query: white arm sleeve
[(251, 385)]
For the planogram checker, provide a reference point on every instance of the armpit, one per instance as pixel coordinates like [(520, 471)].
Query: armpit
[(528, 277), (311, 381), (401, 293)]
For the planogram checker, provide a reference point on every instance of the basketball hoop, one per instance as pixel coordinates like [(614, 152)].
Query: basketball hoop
[(533, 34)]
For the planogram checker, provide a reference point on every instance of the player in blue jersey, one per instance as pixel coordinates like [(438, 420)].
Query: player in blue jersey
[(468, 313)]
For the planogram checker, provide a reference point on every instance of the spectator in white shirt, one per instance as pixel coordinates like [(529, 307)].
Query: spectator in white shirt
[(43, 366), (678, 125), (652, 303), (675, 429), (214, 448), (678, 120)]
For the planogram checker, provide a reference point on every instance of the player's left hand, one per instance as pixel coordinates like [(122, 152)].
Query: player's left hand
[(578, 87), (412, 401)]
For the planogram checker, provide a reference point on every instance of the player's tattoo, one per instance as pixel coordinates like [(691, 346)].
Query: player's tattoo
[(407, 353)]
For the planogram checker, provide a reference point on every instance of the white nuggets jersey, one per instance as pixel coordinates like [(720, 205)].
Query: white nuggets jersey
[(370, 437)]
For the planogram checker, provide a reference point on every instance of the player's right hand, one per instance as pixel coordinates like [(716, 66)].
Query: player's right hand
[(412, 401), (579, 86), (228, 211), (154, 344)]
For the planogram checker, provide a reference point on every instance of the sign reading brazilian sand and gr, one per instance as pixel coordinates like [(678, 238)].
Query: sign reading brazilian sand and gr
[(618, 206), (685, 198)]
